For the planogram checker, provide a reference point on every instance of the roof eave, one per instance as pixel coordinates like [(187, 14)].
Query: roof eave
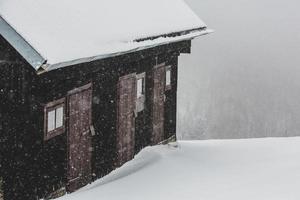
[(164, 40), (21, 45), (39, 63)]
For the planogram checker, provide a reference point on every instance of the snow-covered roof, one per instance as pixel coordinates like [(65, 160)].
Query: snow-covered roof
[(57, 33)]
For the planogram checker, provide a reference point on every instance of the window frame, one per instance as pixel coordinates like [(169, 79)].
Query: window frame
[(168, 69), (140, 100), (142, 77), (53, 106)]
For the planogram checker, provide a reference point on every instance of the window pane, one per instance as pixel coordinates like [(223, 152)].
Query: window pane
[(51, 120), (143, 86), (59, 117), (140, 87), (168, 77)]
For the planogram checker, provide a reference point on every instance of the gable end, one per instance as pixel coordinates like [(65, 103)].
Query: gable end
[(20, 44)]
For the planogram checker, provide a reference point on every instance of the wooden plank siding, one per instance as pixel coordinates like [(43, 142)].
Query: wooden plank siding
[(158, 106), (34, 167), (126, 100), (21, 142), (171, 99), (79, 137), (1, 189)]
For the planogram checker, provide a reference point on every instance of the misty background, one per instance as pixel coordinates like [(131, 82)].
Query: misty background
[(243, 80)]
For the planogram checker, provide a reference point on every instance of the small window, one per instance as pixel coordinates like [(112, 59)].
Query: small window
[(168, 78), (59, 117), (51, 121), (140, 92), (54, 119), (140, 87)]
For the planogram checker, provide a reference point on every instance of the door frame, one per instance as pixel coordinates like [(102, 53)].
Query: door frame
[(88, 86), (161, 65)]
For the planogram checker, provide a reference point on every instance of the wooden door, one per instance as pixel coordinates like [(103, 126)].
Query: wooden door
[(79, 138), (158, 104), (126, 118)]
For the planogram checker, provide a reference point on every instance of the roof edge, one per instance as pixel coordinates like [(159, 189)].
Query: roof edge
[(137, 46), (172, 34), (33, 57)]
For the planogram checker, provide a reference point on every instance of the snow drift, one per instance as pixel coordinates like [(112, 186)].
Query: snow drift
[(260, 169)]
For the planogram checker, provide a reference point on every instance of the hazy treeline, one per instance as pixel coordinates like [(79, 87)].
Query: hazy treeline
[(243, 80)]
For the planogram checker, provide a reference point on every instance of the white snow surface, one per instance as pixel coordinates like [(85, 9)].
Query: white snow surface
[(66, 30), (260, 169)]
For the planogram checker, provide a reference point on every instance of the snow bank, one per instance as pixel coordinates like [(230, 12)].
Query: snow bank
[(260, 169)]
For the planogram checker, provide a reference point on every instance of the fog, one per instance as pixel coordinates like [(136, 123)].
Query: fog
[(243, 80)]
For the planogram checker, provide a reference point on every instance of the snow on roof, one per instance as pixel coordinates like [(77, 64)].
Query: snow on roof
[(65, 32)]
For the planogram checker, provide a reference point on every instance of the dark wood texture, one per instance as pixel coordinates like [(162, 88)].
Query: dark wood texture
[(32, 167), (126, 118), (79, 138), (171, 100), (159, 73)]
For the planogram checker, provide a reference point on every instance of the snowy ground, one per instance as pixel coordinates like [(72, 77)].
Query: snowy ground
[(260, 169)]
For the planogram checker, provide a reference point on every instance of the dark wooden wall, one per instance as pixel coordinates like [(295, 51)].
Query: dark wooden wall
[(171, 99), (33, 167), (18, 135), (19, 132)]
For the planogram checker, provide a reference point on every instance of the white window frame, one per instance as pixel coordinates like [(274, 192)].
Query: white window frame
[(140, 92), (140, 88), (58, 126), (168, 77)]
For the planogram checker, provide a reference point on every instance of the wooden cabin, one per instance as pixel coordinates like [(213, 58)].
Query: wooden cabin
[(84, 86)]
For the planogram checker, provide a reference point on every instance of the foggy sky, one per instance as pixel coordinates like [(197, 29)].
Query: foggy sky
[(244, 79)]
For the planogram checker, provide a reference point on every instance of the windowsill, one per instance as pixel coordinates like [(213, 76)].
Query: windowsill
[(168, 87), (54, 133)]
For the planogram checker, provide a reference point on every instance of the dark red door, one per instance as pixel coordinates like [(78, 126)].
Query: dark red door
[(158, 104), (79, 137), (126, 118)]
